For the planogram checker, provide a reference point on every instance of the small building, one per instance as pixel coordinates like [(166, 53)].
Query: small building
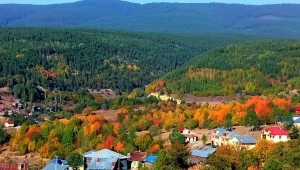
[(136, 159), (275, 134), (199, 154), (149, 161), (9, 124), (296, 120), (104, 159), (247, 142)]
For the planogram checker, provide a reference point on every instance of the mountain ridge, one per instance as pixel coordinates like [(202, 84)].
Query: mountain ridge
[(268, 20)]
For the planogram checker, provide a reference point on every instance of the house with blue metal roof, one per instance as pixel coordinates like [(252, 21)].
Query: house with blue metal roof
[(199, 154), (104, 159), (221, 136), (244, 141), (58, 164)]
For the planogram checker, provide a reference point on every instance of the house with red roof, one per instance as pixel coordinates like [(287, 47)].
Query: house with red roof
[(297, 109), (9, 124), (275, 134), (188, 134)]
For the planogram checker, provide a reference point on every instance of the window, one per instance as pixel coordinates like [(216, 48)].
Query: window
[(279, 137)]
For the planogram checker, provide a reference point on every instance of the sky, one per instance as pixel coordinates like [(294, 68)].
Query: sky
[(253, 2)]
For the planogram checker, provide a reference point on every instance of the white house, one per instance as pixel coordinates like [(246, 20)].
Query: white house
[(188, 134), (9, 124), (275, 134)]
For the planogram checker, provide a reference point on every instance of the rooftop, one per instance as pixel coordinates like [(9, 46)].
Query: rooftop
[(105, 153), (276, 131), (245, 139), (137, 156), (151, 158), (203, 151)]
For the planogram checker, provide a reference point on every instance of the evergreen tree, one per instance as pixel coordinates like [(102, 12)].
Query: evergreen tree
[(295, 133)]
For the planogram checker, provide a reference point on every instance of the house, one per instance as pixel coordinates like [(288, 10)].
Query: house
[(275, 134), (188, 134), (297, 109), (45, 116), (9, 124), (149, 161), (17, 103), (2, 110), (243, 141), (104, 159), (221, 136), (17, 166), (296, 120), (199, 154), (57, 164), (136, 159)]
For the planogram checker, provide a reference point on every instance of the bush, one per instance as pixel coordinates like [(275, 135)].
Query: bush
[(154, 130)]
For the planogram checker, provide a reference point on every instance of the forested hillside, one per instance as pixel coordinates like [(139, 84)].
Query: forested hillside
[(280, 20), (69, 59), (266, 68)]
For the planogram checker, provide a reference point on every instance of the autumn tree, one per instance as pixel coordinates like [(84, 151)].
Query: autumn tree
[(109, 143), (119, 147), (262, 150), (143, 142), (87, 111)]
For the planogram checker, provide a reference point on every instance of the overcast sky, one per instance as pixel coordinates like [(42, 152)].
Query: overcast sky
[(256, 2)]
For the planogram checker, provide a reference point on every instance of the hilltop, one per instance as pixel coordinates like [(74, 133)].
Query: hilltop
[(279, 20)]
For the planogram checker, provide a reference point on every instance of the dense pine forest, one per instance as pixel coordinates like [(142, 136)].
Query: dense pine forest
[(70, 59), (268, 68), (278, 20)]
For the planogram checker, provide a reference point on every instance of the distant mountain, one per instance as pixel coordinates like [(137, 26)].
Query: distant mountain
[(267, 67), (282, 20)]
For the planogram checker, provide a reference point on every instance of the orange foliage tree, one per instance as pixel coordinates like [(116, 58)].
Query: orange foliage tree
[(119, 147)]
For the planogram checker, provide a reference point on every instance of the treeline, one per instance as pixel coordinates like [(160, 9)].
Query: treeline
[(70, 59), (257, 68)]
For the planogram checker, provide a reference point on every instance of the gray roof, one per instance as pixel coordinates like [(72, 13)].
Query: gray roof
[(105, 153), (203, 152), (52, 166), (245, 139)]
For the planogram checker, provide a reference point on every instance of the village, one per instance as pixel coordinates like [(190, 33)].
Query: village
[(201, 142)]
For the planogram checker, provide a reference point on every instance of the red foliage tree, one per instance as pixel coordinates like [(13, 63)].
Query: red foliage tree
[(109, 143)]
